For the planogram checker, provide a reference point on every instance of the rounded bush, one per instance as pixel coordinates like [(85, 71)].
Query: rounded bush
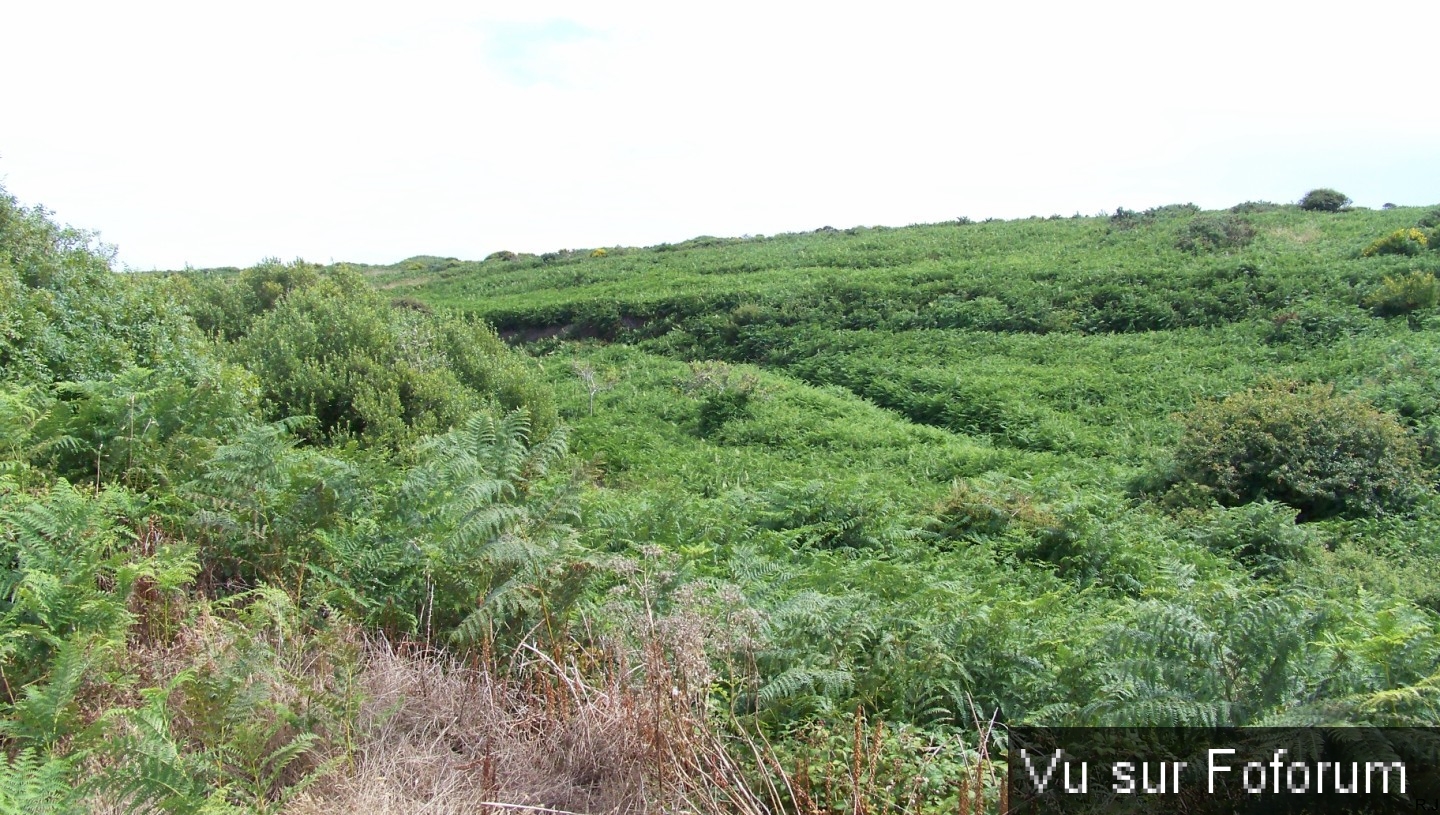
[(1324, 200), (1303, 445)]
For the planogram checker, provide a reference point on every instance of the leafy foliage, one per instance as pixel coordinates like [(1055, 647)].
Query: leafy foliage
[(1262, 535), (259, 502), (368, 370), (1400, 242), (31, 782), (65, 317), (1324, 199), (71, 567), (494, 526), (1322, 453), (725, 395), (1402, 295), (1208, 233)]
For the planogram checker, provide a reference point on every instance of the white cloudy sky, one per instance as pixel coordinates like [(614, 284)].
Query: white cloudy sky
[(219, 134)]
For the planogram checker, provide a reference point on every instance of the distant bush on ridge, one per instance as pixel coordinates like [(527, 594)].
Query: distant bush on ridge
[(1324, 200)]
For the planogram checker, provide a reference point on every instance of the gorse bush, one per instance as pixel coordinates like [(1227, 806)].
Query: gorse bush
[(1248, 207), (1323, 454), (1124, 219), (1324, 200), (1402, 295), (1400, 242)]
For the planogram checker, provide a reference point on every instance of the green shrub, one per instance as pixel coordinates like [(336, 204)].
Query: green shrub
[(828, 515), (491, 527), (1402, 295), (1324, 200), (1317, 325), (1322, 453), (1247, 207), (65, 316), (1400, 242), (1209, 233), (720, 407), (338, 351), (1124, 219), (1170, 211)]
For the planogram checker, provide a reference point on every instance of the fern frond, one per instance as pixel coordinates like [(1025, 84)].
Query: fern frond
[(32, 782), (47, 711), (801, 681)]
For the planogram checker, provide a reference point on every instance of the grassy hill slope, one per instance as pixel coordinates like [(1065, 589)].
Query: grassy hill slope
[(957, 441), (735, 525)]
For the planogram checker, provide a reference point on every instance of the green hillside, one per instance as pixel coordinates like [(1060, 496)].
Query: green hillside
[(715, 525), (965, 442)]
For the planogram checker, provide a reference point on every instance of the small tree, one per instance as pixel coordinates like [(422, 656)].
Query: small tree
[(1324, 200), (594, 383)]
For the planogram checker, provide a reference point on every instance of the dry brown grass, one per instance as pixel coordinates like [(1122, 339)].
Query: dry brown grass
[(582, 732)]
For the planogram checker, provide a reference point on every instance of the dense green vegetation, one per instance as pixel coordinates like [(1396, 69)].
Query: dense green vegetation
[(1160, 467), (1012, 456)]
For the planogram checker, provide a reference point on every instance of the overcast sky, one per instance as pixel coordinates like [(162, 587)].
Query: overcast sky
[(219, 134)]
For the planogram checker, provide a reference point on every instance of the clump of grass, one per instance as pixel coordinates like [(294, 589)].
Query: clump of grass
[(564, 728)]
